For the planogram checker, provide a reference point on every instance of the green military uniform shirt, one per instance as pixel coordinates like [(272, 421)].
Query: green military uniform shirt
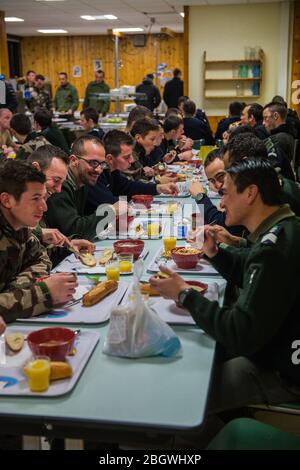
[(100, 104), (264, 321), (22, 261), (66, 98), (67, 212)]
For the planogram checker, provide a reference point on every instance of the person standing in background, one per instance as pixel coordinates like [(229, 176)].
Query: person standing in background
[(173, 90), (97, 86), (153, 98), (66, 97)]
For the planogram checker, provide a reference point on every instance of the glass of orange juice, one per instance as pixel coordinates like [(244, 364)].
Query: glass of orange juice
[(37, 371), (153, 229), (112, 270), (169, 243), (125, 263)]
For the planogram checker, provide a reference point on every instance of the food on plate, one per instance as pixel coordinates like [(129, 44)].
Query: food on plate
[(181, 177), (97, 293), (87, 258), (60, 370), (146, 289), (201, 287), (15, 341), (139, 229), (106, 255), (166, 254), (162, 275)]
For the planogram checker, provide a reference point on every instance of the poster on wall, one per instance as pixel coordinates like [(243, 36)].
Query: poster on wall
[(76, 71), (97, 64)]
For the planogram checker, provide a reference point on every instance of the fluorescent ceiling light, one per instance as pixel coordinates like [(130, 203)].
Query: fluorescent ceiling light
[(9, 19), (52, 31), (99, 17), (181, 14), (128, 30), (49, 0)]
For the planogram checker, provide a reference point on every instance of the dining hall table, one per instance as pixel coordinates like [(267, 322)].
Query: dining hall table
[(117, 399)]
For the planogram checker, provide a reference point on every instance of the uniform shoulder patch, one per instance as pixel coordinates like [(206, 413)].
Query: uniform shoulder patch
[(270, 238)]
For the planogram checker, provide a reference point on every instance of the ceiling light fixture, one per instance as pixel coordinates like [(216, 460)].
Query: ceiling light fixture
[(181, 14), (52, 31), (98, 17), (127, 30), (10, 19)]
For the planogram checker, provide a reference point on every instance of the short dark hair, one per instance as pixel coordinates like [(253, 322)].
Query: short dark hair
[(138, 112), (90, 113), (174, 111), (144, 126), (189, 107), (113, 141), (182, 99), (63, 73), (246, 145), (279, 99), (261, 173), (30, 71), (213, 155), (244, 129), (279, 108), (77, 148), (235, 108), (172, 123), (14, 176), (256, 110), (45, 154), (39, 77), (21, 124), (43, 117), (100, 71), (176, 72)]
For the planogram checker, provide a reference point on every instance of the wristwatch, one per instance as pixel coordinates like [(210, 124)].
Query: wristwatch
[(183, 295), (199, 197)]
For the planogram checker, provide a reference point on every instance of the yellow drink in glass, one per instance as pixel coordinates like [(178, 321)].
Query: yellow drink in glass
[(38, 374), (169, 243), (171, 208), (112, 272), (153, 229), (125, 266)]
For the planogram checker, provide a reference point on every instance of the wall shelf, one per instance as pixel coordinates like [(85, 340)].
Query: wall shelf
[(232, 79)]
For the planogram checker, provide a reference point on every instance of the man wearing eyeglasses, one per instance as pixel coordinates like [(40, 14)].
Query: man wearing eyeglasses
[(67, 210), (113, 183)]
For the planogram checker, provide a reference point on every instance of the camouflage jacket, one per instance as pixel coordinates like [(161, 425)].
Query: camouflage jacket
[(32, 143), (39, 99), (22, 261)]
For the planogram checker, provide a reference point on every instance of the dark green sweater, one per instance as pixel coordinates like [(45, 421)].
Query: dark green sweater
[(66, 211), (264, 321)]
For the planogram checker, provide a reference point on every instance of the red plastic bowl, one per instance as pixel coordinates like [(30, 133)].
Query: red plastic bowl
[(143, 200), (203, 286), (185, 261), (196, 162), (55, 343), (129, 246)]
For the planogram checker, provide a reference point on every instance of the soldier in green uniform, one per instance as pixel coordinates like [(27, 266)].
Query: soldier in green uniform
[(30, 140), (97, 86), (40, 98), (260, 331), (26, 289), (66, 97)]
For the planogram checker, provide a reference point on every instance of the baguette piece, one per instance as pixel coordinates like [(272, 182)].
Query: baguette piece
[(60, 370), (106, 255), (88, 259), (98, 292), (15, 341), (145, 288)]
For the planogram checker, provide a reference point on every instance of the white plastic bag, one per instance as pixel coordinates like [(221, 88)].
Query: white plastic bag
[(135, 329)]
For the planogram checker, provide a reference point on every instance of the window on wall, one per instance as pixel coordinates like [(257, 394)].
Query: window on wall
[(14, 57)]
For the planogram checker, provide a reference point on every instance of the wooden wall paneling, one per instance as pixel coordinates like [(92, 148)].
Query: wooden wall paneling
[(51, 55), (186, 50), (4, 63)]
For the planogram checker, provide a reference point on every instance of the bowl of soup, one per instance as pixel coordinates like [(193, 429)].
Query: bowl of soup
[(129, 246), (186, 258), (56, 343)]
